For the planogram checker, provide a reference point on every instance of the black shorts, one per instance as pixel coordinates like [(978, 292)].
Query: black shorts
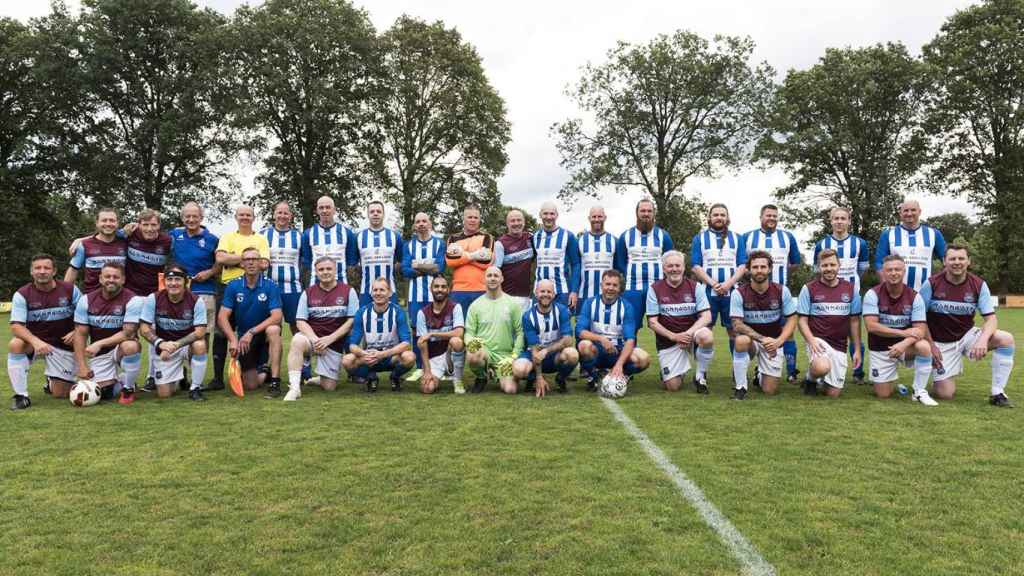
[(257, 352)]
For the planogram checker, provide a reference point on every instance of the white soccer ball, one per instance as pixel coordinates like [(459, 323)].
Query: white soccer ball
[(612, 387), (84, 393)]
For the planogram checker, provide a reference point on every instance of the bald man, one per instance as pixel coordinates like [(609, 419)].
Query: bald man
[(597, 254), (513, 253), (918, 244), (558, 256), (422, 260), (331, 238)]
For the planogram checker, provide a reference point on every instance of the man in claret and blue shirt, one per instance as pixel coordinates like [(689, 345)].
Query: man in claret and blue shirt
[(329, 238), (513, 253), (917, 243), (638, 255), (380, 252), (718, 258), (952, 297), (781, 245), (597, 254), (558, 257), (422, 259)]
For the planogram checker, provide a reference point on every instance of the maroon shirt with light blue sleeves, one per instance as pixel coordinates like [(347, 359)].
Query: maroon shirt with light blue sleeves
[(828, 310), (951, 307), (49, 316), (677, 308)]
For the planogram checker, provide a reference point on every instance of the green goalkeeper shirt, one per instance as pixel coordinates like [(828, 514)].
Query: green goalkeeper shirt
[(498, 322)]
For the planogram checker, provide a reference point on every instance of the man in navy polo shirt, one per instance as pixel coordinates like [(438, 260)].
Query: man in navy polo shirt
[(194, 247), (253, 304)]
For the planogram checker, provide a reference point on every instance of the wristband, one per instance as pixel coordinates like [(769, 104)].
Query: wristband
[(157, 343)]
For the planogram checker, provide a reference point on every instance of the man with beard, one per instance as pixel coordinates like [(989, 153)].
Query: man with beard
[(174, 323), (93, 252), (606, 334), (597, 254), (108, 318), (469, 254), (558, 256), (380, 250), (496, 321), (422, 261), (42, 325), (764, 318), (638, 256), (324, 320), (547, 330), (918, 244), (327, 237), (952, 298), (895, 317), (514, 254), (718, 258), (678, 313), (853, 257), (380, 340), (439, 330), (829, 309), (781, 245), (250, 316)]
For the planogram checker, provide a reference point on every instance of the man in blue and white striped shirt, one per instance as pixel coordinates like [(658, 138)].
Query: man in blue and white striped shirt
[(380, 250), (638, 255), (380, 340), (853, 259), (422, 259), (781, 245), (329, 238), (918, 244), (719, 259), (285, 245), (597, 254), (558, 257)]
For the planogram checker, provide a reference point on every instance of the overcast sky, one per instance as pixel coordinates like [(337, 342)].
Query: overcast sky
[(532, 50)]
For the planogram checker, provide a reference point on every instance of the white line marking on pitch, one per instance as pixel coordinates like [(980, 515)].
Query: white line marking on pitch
[(748, 556)]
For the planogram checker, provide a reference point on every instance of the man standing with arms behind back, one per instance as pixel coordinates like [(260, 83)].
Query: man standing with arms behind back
[(638, 256)]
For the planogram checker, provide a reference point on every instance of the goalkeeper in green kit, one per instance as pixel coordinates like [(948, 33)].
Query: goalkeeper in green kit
[(494, 334)]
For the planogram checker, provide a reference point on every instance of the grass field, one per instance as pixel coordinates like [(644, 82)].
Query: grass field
[(347, 483)]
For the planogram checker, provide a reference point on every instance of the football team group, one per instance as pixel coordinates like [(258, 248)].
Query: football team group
[(515, 307)]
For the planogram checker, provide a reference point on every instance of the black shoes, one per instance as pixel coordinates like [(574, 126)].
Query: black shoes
[(739, 393), (371, 383), (999, 400), (196, 395), (150, 385), (700, 384), (810, 388), (562, 385), (273, 389), (19, 402), (479, 383), (396, 382), (793, 377)]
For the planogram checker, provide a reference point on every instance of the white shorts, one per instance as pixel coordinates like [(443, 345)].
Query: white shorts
[(836, 376), (439, 367), (524, 302), (883, 368), (173, 370), (674, 362), (104, 366), (328, 364), (768, 365), (953, 354), (60, 364)]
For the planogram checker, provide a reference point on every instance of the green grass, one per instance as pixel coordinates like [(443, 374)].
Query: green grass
[(346, 483)]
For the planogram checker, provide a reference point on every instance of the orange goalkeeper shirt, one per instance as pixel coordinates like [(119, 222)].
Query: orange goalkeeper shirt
[(468, 274)]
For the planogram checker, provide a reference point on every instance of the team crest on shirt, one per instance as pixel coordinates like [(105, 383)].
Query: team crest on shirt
[(819, 297), (159, 249), (940, 295), (186, 315), (969, 298), (907, 310), (688, 299), (845, 297), (117, 311), (773, 304), (239, 297), (339, 301), (262, 297), (62, 301), (202, 242)]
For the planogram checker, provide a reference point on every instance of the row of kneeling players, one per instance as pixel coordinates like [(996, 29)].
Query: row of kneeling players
[(94, 336)]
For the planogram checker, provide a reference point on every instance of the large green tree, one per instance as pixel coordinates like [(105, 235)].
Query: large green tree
[(848, 132), (441, 129), (661, 113), (302, 77), (976, 119)]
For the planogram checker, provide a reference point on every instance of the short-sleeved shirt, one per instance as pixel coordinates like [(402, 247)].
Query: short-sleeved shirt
[(146, 261), (918, 247), (616, 321), (235, 243), (677, 307), (897, 313), (380, 330), (515, 256), (173, 320), (338, 242), (544, 328), (251, 306), (638, 256), (558, 259), (597, 254), (195, 253), (379, 250), (48, 315), (718, 254), (415, 249), (762, 311), (852, 252), (327, 310), (781, 244), (430, 322), (951, 307), (92, 253), (106, 317), (285, 250), (828, 309)]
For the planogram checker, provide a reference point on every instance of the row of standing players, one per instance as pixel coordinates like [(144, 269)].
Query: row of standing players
[(369, 338)]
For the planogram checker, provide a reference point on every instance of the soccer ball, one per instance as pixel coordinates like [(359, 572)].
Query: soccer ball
[(612, 387), (84, 393)]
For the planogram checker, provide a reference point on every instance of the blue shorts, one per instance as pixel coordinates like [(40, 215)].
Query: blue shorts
[(464, 298), (548, 366), (605, 360), (720, 306), (289, 305), (638, 300), (385, 365)]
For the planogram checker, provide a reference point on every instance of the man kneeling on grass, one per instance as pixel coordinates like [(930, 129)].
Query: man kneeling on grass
[(829, 309), (894, 315), (606, 334), (494, 335), (380, 340), (323, 318), (174, 322), (439, 330), (547, 329)]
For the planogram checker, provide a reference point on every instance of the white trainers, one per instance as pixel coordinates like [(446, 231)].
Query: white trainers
[(293, 394), (924, 398), (460, 388)]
